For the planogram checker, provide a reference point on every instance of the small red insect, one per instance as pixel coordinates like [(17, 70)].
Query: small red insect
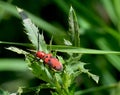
[(50, 60), (47, 58)]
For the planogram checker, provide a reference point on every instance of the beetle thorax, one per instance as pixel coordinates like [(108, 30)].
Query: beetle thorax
[(40, 54)]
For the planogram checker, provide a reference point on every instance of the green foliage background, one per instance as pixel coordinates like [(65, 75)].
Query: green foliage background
[(99, 29)]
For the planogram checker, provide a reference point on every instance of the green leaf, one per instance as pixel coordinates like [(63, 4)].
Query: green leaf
[(17, 50), (94, 77), (66, 77), (32, 32), (35, 66), (74, 28), (38, 68), (83, 70), (34, 90), (67, 42)]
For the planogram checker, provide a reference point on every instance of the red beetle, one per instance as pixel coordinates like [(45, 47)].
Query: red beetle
[(47, 58), (50, 60)]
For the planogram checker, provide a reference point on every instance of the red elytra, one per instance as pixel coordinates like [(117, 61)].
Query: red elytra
[(50, 60)]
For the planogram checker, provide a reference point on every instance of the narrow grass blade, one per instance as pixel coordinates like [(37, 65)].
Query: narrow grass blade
[(109, 6), (18, 44), (114, 59), (70, 49), (117, 7)]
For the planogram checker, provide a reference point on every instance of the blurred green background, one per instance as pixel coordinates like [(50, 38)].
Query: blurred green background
[(99, 29)]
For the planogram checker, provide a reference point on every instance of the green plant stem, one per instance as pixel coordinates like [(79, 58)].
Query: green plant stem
[(19, 44), (96, 89)]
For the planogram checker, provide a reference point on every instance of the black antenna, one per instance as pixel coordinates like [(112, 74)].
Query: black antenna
[(38, 39)]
